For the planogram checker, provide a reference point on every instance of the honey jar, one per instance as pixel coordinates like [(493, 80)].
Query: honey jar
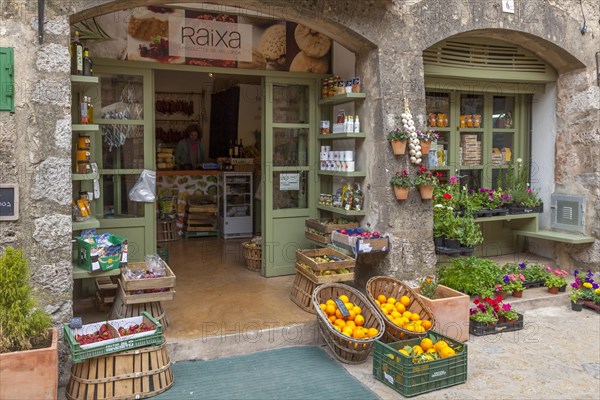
[(83, 143), (83, 155)]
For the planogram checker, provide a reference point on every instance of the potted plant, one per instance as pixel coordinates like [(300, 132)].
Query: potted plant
[(425, 139), (507, 314), (470, 275), (402, 183), (535, 275), (398, 138), (513, 284), (555, 279), (576, 298), (485, 312), (499, 291), (28, 342), (589, 290), (471, 235), (425, 180)]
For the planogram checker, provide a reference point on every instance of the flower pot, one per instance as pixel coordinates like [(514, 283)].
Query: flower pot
[(553, 290), (401, 192), (398, 146), (562, 289), (577, 306), (425, 146), (439, 241), (426, 192), (451, 311), (452, 244), (467, 251), (502, 294), (511, 321), (501, 318), (517, 293)]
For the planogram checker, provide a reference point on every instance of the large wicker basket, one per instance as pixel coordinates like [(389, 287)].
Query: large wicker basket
[(346, 349), (253, 256), (391, 287)]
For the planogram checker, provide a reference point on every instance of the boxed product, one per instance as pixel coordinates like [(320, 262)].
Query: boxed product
[(101, 252)]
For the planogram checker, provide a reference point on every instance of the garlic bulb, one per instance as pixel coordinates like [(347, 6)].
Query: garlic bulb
[(413, 160), (417, 153), (412, 152)]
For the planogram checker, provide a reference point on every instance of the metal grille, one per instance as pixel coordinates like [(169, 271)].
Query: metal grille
[(567, 212)]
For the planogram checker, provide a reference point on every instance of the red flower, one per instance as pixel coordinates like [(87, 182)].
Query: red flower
[(447, 196)]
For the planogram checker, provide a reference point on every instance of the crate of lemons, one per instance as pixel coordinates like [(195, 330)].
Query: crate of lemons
[(398, 311), (352, 325), (427, 350)]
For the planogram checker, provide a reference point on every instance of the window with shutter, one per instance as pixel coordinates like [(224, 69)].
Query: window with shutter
[(7, 84)]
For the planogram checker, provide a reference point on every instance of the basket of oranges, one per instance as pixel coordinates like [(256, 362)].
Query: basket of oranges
[(348, 322), (405, 315)]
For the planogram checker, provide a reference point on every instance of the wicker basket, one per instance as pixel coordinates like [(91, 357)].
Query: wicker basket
[(346, 349), (252, 256), (391, 287)]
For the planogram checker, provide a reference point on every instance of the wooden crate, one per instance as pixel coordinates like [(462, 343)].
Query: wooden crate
[(129, 298), (324, 225), (302, 290), (129, 284), (106, 291), (320, 279), (121, 310), (360, 245), (166, 231), (133, 374), (317, 238), (304, 256)]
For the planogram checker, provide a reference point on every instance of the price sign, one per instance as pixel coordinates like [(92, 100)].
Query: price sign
[(9, 202), (342, 307)]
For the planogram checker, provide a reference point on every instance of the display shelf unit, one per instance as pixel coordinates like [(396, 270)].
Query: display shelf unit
[(343, 135), (85, 177), (341, 211), (80, 273), (90, 223), (355, 174), (342, 98), (235, 204)]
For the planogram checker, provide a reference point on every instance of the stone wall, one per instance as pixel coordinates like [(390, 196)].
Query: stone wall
[(388, 38)]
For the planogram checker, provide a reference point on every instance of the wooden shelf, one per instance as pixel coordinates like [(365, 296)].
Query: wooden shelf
[(341, 211), (80, 273), (84, 79), (355, 174), (85, 127), (90, 223), (507, 217), (342, 135), (342, 98), (85, 177)]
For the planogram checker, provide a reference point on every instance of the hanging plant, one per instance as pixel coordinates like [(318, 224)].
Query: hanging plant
[(414, 143)]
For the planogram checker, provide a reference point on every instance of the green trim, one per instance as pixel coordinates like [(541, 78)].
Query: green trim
[(90, 223), (341, 211), (356, 174), (483, 85), (120, 171), (120, 121), (557, 236), (283, 125), (508, 217), (7, 79), (85, 177), (121, 222), (84, 79), (80, 273), (342, 98), (290, 169), (85, 128), (342, 135)]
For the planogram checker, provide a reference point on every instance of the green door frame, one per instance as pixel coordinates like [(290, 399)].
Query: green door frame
[(279, 245)]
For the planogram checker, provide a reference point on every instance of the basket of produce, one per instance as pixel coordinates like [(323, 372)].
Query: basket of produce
[(324, 259), (328, 225), (347, 321), (306, 280), (253, 254), (147, 281), (405, 315), (420, 365)]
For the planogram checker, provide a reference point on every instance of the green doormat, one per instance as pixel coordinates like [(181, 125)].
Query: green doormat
[(289, 373)]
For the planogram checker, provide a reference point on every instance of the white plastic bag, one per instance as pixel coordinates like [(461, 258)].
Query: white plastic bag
[(144, 189)]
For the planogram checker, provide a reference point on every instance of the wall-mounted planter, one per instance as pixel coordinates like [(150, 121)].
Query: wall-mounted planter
[(401, 192), (426, 192), (425, 146), (398, 146)]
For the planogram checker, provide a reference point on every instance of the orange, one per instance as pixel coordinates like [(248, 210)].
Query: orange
[(378, 303), (404, 321), (372, 332), (344, 298), (426, 324), (358, 334), (339, 314), (323, 306), (337, 328), (405, 300), (330, 309), (419, 328), (385, 311), (391, 300), (397, 321), (415, 317), (395, 314), (406, 314), (351, 316), (431, 350), (340, 322), (359, 320), (357, 310), (348, 331), (389, 317), (349, 306), (330, 302), (389, 306), (404, 352), (440, 345), (351, 324), (400, 307), (426, 344), (417, 350), (332, 319), (381, 298), (447, 352), (410, 327)]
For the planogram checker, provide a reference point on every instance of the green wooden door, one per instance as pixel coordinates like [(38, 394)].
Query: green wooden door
[(289, 180), (124, 110)]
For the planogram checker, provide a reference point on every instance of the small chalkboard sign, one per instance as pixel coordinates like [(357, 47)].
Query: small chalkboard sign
[(9, 202)]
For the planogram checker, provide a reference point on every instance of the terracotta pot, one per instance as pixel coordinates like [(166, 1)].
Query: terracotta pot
[(451, 311), (517, 293), (501, 318), (425, 146), (401, 192), (502, 294), (553, 290), (511, 321), (426, 192), (30, 374), (398, 146)]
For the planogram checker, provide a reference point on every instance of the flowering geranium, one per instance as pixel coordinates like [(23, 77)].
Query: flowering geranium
[(425, 176), (556, 278), (507, 312), (401, 179), (428, 135), (398, 134)]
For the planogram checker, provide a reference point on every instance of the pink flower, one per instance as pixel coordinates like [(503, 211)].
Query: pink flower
[(512, 278), (505, 307), (453, 180), (521, 277), (548, 268)]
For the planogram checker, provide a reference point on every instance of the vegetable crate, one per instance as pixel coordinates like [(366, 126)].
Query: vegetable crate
[(395, 288), (482, 329), (118, 343), (145, 290), (346, 349), (305, 283), (90, 260), (361, 245), (328, 225), (308, 257), (132, 374), (399, 372)]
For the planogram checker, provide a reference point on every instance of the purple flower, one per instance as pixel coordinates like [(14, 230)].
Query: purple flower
[(589, 273), (506, 279), (505, 307), (595, 285), (576, 272), (522, 265), (473, 311)]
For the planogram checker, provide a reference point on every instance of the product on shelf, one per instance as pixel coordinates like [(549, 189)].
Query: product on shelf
[(336, 86)]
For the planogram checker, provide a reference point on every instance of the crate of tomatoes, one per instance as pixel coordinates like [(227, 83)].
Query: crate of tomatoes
[(105, 337)]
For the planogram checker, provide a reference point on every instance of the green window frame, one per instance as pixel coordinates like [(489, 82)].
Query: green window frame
[(7, 79)]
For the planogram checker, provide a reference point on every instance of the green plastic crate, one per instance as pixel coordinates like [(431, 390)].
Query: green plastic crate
[(104, 263), (163, 252), (80, 353), (410, 379)]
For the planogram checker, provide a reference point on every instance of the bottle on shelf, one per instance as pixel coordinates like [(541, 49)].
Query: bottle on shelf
[(341, 117), (358, 198), (241, 150), (87, 62), (236, 150), (356, 124), (90, 110), (83, 109), (76, 55), (230, 149)]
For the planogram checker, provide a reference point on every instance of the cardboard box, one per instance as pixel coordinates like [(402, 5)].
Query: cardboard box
[(360, 245)]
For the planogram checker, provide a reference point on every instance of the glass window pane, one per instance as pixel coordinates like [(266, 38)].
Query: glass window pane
[(290, 147), (289, 190), (438, 109), (470, 178), (122, 97), (502, 148), (115, 189), (290, 104), (471, 110), (503, 112), (122, 146), (438, 154), (470, 148)]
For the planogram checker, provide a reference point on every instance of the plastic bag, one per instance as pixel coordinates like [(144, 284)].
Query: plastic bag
[(144, 189)]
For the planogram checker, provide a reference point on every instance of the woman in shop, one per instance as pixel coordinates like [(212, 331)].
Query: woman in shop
[(189, 153)]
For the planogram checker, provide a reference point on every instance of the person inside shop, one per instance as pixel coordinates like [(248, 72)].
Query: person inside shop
[(189, 153)]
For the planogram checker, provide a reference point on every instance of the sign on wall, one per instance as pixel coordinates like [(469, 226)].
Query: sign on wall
[(9, 202), (289, 182)]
